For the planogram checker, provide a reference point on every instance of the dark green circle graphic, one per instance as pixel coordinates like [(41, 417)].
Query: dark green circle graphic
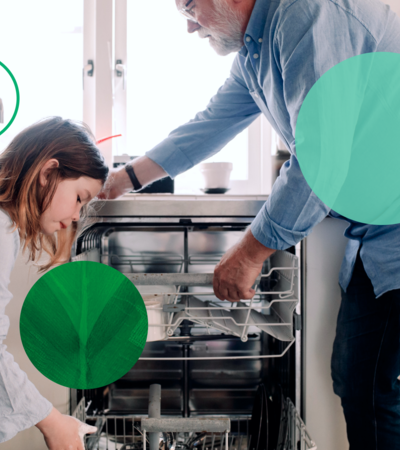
[(17, 95), (83, 325), (347, 138)]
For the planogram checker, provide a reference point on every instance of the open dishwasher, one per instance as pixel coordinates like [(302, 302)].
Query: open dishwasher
[(198, 382)]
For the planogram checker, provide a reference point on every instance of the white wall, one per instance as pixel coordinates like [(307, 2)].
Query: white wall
[(22, 279), (325, 249), (394, 5)]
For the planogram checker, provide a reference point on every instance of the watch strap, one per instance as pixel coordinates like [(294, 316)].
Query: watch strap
[(135, 182)]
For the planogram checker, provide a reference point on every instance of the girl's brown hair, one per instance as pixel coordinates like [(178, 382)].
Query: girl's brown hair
[(73, 145)]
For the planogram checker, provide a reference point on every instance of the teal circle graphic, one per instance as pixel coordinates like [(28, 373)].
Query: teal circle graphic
[(83, 325), (347, 138), (7, 126)]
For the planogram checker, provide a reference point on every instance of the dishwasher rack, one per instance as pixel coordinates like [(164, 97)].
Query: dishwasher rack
[(127, 432), (271, 310)]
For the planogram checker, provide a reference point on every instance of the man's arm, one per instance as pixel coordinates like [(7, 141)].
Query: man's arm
[(306, 45), (228, 113)]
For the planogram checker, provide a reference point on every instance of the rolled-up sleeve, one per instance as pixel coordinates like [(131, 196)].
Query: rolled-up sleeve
[(228, 113), (306, 44), (291, 211), (21, 404)]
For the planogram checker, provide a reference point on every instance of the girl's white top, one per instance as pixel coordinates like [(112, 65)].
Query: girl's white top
[(21, 404)]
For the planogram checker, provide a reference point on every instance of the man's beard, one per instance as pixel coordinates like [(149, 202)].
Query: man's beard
[(226, 36)]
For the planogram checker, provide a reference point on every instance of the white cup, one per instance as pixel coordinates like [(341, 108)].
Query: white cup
[(154, 298), (216, 175), (156, 318)]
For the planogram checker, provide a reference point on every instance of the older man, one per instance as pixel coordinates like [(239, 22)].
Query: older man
[(283, 48)]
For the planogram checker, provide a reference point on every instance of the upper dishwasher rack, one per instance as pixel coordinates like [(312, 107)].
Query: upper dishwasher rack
[(271, 310)]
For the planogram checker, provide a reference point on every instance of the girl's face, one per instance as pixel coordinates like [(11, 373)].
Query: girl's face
[(68, 200)]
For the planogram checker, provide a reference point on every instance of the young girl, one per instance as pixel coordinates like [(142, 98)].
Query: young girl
[(48, 174)]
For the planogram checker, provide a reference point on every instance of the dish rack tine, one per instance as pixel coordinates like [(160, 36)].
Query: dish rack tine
[(246, 325)]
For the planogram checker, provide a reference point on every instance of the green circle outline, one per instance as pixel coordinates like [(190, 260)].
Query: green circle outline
[(17, 92)]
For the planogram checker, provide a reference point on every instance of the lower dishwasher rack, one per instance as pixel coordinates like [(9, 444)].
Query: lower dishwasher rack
[(128, 432)]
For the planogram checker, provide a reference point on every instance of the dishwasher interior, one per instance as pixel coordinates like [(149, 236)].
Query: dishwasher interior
[(214, 356)]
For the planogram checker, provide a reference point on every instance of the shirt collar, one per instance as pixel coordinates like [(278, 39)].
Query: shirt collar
[(258, 19)]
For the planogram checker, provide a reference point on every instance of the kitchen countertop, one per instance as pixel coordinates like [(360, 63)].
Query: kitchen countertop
[(192, 197), (173, 205)]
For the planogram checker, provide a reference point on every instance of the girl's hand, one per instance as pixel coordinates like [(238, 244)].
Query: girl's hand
[(63, 432)]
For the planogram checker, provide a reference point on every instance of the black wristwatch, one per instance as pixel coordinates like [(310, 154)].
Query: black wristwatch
[(135, 182)]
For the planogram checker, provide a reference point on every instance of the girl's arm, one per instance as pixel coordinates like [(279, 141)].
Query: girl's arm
[(21, 404)]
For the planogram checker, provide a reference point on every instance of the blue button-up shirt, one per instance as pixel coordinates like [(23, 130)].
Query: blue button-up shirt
[(289, 45)]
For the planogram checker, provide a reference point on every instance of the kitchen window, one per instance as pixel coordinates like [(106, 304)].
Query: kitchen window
[(176, 75), (150, 76)]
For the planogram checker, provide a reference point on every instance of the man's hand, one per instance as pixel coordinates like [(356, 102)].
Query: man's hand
[(238, 269), (118, 182)]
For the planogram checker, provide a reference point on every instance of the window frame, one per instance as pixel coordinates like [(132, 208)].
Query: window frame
[(105, 94)]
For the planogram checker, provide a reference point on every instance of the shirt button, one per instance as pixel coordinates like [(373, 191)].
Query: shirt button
[(260, 40), (248, 39), (255, 95), (255, 56)]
